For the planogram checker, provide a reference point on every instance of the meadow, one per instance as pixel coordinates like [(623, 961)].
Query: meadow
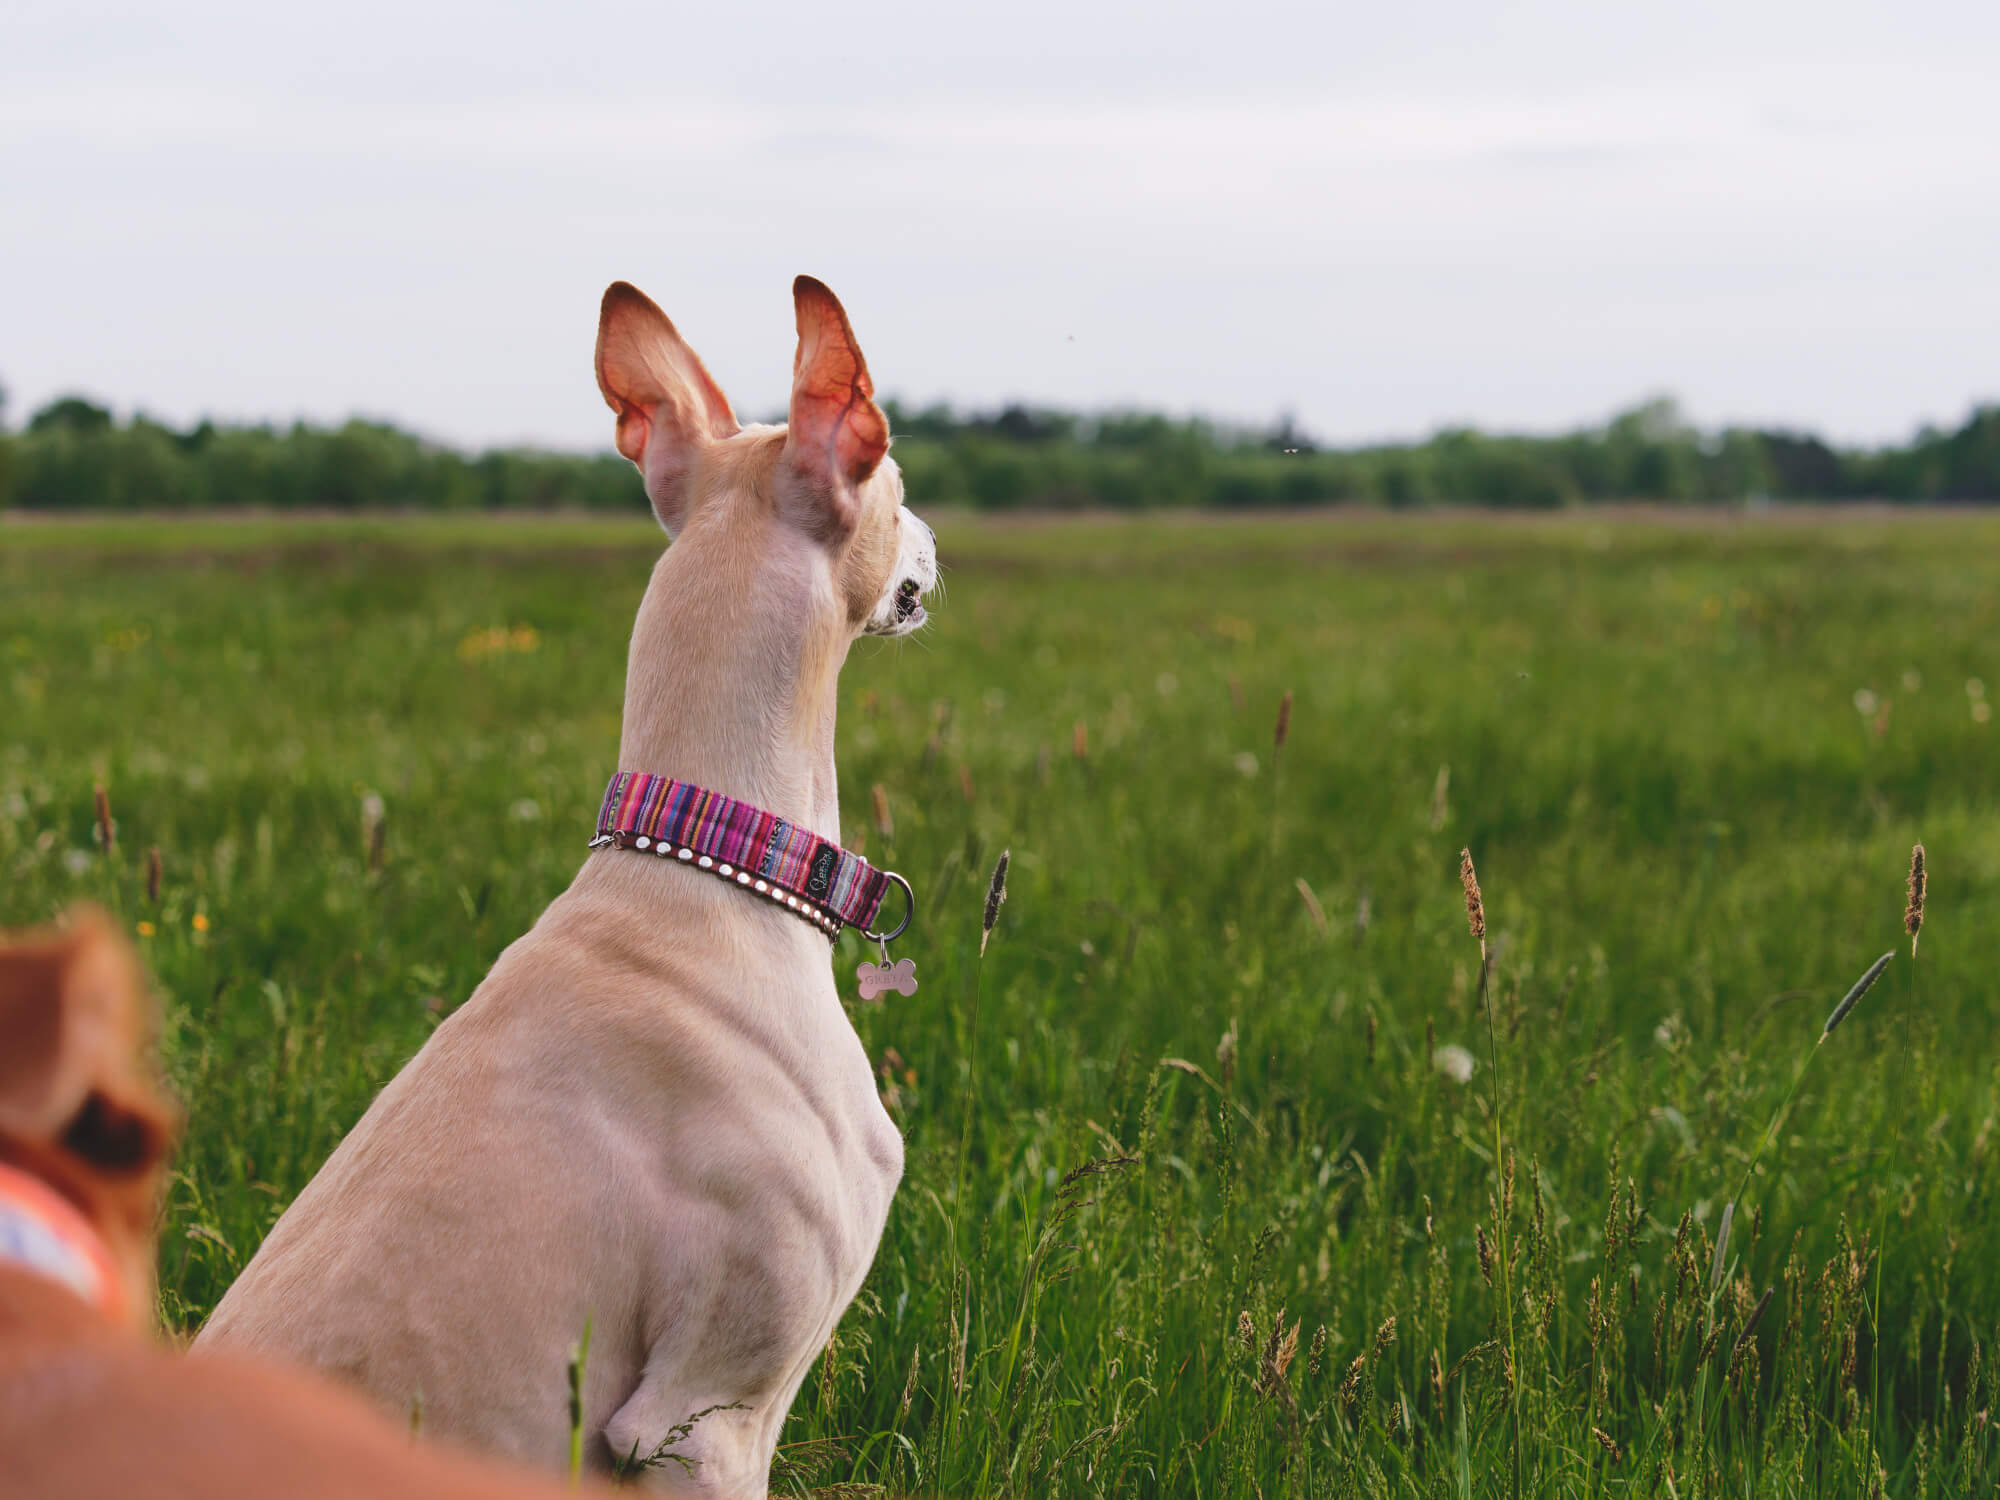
[(1227, 1174)]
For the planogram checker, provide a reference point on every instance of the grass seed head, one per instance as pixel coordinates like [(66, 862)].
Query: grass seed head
[(1279, 1351), (1287, 1350), (1313, 908), (1079, 741), (1913, 913), (909, 1385), (374, 830), (996, 897), (1385, 1335), (1282, 731), (1475, 905), (1756, 1316), (153, 872), (1853, 997), (884, 824), (1721, 1244), (105, 832), (1350, 1383)]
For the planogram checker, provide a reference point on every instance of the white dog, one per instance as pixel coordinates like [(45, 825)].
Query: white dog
[(653, 1114)]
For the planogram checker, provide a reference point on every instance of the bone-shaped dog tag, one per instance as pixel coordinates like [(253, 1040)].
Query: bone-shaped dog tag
[(875, 978)]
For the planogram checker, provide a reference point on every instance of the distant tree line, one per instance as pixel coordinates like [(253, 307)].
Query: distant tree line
[(74, 455)]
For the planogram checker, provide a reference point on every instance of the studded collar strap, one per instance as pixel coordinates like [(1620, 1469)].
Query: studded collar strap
[(761, 852)]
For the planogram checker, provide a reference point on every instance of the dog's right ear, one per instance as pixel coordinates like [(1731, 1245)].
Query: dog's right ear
[(79, 1107), (74, 1023), (668, 406)]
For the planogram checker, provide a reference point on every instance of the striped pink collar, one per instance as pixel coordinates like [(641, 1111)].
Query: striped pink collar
[(765, 854)]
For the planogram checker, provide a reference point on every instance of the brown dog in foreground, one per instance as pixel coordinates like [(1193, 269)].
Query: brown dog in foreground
[(89, 1406)]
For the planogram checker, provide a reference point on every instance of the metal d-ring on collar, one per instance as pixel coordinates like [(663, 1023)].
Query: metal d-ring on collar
[(909, 913)]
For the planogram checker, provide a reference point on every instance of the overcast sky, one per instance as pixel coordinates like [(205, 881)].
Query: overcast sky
[(1383, 218)]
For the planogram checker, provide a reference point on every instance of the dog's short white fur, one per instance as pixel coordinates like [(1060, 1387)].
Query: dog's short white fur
[(654, 1113)]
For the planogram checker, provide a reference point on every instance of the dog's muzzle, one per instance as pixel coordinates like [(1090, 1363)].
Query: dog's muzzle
[(902, 609)]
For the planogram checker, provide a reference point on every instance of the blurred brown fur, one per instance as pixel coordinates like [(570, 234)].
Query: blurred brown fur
[(89, 1406)]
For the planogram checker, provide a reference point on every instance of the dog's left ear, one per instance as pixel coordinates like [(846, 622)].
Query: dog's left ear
[(837, 434)]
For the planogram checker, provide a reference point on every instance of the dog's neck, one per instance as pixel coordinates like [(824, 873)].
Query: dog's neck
[(733, 672)]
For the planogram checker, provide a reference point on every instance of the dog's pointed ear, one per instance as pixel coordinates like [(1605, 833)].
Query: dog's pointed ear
[(74, 1024), (837, 434), (668, 406), (79, 1105)]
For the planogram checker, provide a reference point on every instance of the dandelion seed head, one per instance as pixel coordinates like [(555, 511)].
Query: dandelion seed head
[(1455, 1062)]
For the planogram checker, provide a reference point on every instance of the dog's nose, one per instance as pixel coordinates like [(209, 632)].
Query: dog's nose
[(906, 598)]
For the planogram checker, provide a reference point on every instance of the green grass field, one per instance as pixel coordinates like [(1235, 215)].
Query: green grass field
[(1689, 758)]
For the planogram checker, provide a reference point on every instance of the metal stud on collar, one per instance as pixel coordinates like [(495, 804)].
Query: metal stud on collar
[(827, 924)]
